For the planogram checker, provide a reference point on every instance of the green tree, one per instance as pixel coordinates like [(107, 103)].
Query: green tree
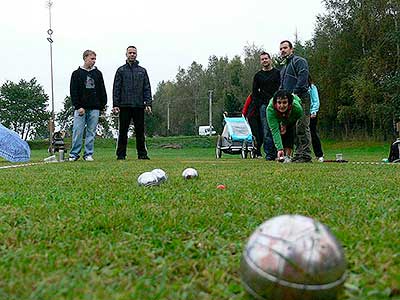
[(65, 117), (23, 108)]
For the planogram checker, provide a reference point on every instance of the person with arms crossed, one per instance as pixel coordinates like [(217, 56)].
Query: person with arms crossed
[(294, 79), (131, 99), (89, 97), (265, 83)]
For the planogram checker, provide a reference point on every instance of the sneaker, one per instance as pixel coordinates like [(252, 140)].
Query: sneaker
[(121, 158), (73, 158), (320, 159), (143, 157), (88, 158), (287, 160)]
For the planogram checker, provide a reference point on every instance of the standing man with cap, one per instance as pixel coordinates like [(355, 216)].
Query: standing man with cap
[(131, 98), (89, 97), (294, 79)]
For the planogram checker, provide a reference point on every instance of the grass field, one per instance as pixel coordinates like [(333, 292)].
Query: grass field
[(86, 230)]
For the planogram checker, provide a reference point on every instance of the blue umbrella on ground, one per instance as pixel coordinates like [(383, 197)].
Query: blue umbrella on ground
[(12, 147)]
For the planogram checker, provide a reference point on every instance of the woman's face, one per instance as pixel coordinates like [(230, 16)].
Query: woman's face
[(282, 104)]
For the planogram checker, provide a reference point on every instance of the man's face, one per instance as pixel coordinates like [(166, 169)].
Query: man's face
[(282, 104), (131, 54), (285, 50), (89, 61), (265, 61)]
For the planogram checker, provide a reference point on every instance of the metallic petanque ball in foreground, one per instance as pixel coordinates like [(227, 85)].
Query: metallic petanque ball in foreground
[(160, 174), (189, 173), (147, 179), (293, 257)]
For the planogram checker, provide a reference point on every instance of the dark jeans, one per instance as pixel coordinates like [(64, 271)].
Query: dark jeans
[(127, 114), (257, 131), (316, 142), (269, 146)]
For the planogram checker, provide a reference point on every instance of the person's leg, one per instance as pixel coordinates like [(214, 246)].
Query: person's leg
[(303, 136), (269, 146), (124, 122), (138, 121), (316, 142), (254, 125), (92, 118), (77, 135)]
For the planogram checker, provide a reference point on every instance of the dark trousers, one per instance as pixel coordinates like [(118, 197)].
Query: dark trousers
[(269, 146), (315, 140), (257, 131), (127, 114)]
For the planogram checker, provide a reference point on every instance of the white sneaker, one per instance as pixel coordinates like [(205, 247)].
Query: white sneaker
[(320, 159), (89, 158), (287, 160), (71, 158)]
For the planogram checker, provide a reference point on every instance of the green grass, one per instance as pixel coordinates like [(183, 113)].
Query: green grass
[(87, 230)]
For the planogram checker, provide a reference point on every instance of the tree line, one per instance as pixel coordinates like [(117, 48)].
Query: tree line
[(354, 59)]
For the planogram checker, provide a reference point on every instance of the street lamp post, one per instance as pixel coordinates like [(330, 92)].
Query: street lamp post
[(210, 96), (50, 40)]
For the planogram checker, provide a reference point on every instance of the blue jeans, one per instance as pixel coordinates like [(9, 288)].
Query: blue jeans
[(269, 146), (89, 119)]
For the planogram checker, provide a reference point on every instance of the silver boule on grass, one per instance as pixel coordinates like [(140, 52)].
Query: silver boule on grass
[(190, 173), (293, 257), (147, 179), (160, 174)]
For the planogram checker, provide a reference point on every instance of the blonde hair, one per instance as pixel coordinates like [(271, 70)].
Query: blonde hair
[(86, 53)]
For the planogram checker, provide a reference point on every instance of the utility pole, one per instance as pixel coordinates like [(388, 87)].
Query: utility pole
[(168, 128), (50, 40), (210, 97)]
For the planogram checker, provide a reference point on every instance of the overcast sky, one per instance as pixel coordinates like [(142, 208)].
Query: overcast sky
[(168, 35)]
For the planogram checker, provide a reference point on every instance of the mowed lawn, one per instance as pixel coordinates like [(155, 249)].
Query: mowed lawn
[(86, 230)]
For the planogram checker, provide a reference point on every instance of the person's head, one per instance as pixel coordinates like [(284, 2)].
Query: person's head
[(286, 48), (89, 58), (282, 100), (131, 54), (265, 60)]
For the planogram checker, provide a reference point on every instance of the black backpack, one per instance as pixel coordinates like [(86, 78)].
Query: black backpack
[(394, 155)]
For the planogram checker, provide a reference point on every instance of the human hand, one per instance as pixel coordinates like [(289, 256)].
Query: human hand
[(314, 115), (147, 109), (280, 154), (115, 110), (81, 111), (283, 129)]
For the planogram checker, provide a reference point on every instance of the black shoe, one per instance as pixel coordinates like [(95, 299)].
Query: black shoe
[(301, 160), (121, 158), (143, 157)]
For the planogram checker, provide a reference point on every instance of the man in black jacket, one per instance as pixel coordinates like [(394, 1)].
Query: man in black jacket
[(89, 97), (131, 98)]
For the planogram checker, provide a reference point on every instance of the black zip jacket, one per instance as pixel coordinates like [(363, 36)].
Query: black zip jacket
[(87, 89), (131, 87)]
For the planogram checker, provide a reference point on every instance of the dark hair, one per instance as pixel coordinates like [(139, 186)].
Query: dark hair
[(283, 94), (286, 41), (265, 53), (131, 47)]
